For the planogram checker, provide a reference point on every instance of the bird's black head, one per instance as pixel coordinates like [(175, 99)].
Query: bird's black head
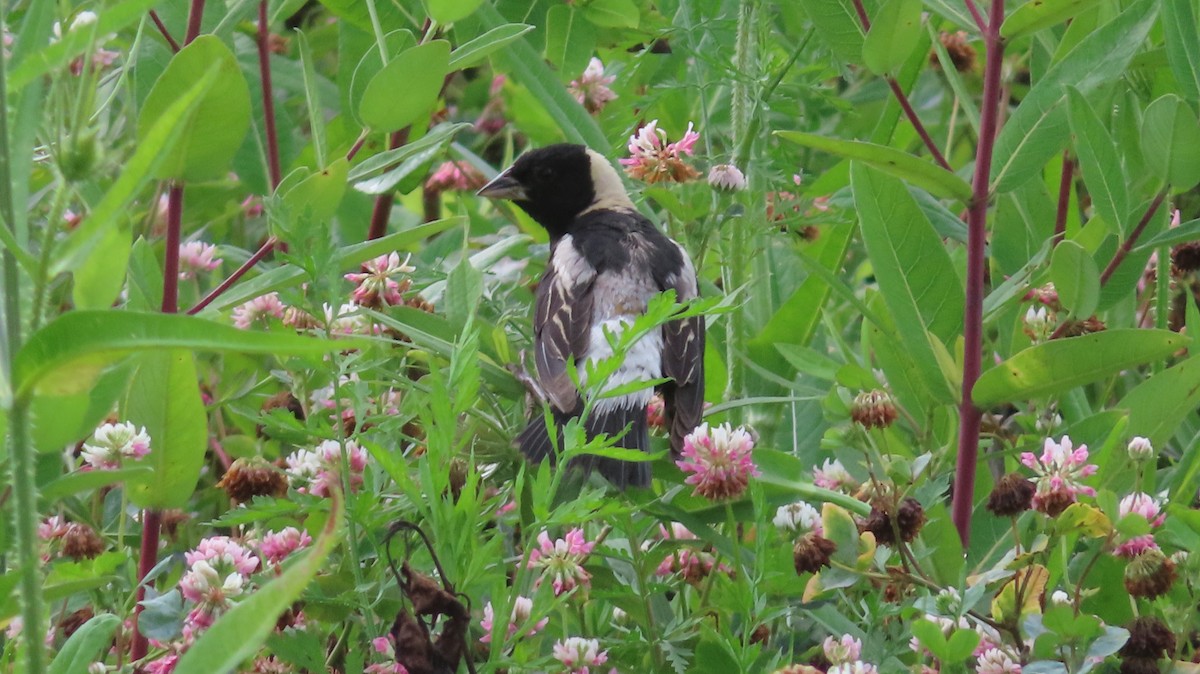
[(554, 184)]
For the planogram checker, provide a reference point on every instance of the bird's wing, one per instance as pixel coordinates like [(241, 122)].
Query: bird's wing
[(562, 322), (683, 361)]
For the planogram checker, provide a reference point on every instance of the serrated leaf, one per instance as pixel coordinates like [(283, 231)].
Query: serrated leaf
[(1060, 365)]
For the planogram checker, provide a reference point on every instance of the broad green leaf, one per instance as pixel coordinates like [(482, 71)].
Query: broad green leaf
[(99, 279), (369, 65), (1036, 15), (919, 172), (317, 197), (612, 13), (87, 645), (1032, 581), (570, 40), (1101, 164), (1076, 278), (66, 355), (1060, 365), (152, 149), (1024, 221), (895, 31), (1170, 136), (312, 99), (1038, 129), (945, 547), (164, 397), (350, 256), (528, 68), (58, 54), (81, 481), (474, 51), (1181, 32), (406, 88), (931, 637), (1158, 405), (61, 420), (960, 646), (213, 135), (837, 25), (1185, 232), (916, 276), (449, 11), (1084, 519), (238, 634)]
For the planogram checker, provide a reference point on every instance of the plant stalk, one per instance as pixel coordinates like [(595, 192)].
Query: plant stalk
[(1064, 197), (264, 72), (1119, 256), (195, 16), (745, 59), (970, 415), (258, 255), (162, 28), (383, 202)]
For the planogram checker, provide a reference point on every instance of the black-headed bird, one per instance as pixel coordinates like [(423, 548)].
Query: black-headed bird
[(606, 262)]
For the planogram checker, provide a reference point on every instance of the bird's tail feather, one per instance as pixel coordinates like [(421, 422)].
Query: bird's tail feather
[(536, 445)]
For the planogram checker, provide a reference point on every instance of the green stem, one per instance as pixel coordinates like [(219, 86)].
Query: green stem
[(745, 62)]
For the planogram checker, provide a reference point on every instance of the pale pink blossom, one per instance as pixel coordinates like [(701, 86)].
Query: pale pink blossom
[(727, 177), (271, 665), (258, 309), (562, 560), (654, 160), (277, 546), (997, 661), (521, 611), (455, 175), (656, 412), (856, 667), (718, 461), (195, 257), (1140, 449), (376, 282), (387, 648), (112, 444), (52, 528), (1149, 508), (319, 470), (834, 476), (798, 518), (223, 552), (1059, 470), (164, 665), (591, 89), (841, 651), (579, 655)]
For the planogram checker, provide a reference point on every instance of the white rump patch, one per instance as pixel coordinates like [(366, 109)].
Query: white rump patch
[(643, 362)]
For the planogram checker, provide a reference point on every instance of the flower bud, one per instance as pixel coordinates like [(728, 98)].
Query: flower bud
[(1140, 449)]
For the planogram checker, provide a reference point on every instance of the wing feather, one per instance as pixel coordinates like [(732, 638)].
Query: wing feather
[(562, 323), (683, 362)]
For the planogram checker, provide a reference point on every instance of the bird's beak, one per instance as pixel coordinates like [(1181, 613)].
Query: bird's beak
[(504, 186)]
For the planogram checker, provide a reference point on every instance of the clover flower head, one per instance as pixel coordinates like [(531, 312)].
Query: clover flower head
[(258, 309), (317, 471), (591, 89), (111, 444), (654, 160), (997, 661), (841, 651), (856, 667), (718, 461), (1145, 505), (1060, 470), (579, 655), (276, 546), (834, 476), (195, 257), (455, 175), (727, 178), (1140, 449), (522, 609), (656, 412), (376, 285), (562, 560), (224, 554), (798, 518)]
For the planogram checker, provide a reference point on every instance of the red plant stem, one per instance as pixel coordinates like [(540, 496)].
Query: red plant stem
[(968, 438), (195, 14), (1119, 256), (1064, 198), (258, 255), (147, 560), (902, 98), (170, 300), (979, 22), (356, 147), (383, 202), (162, 28), (264, 72)]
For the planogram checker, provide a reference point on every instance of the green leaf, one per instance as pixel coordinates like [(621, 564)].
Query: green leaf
[(1036, 15), (944, 545), (66, 355), (213, 135), (1024, 221), (837, 25), (1181, 32), (1076, 278), (449, 11), (1170, 136), (61, 420), (312, 99), (318, 196), (98, 281), (1185, 232), (960, 646), (418, 73), (237, 635), (527, 67), (1060, 365), (464, 287), (570, 40), (612, 13), (931, 637), (919, 172), (403, 160), (1101, 164), (86, 645), (164, 397), (916, 276), (895, 31), (291, 275), (152, 149), (1158, 405), (57, 55), (473, 52), (1038, 128), (81, 481), (369, 65)]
